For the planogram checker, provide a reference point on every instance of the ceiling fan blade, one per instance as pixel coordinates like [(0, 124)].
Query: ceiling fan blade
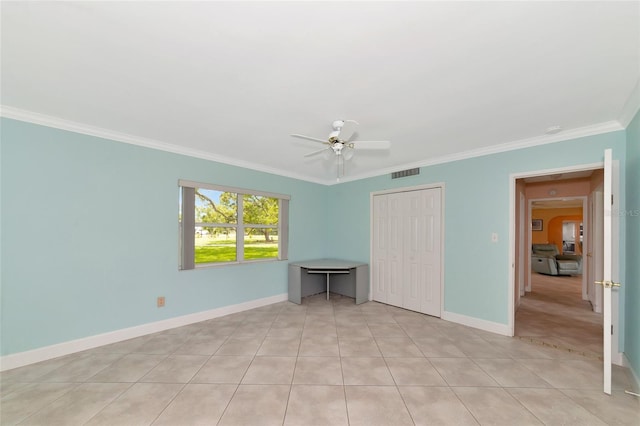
[(347, 152), (372, 144), (348, 129), (310, 138), (320, 151)]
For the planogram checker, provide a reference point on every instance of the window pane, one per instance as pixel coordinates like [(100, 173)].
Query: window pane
[(259, 210), (216, 206), (214, 245), (260, 243)]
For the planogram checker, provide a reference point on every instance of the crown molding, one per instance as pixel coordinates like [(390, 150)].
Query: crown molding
[(72, 126), (631, 106), (596, 129), (58, 123)]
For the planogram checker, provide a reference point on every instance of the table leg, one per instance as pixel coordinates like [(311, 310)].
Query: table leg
[(327, 286)]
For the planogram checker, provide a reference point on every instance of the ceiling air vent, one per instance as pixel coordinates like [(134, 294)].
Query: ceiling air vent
[(405, 173)]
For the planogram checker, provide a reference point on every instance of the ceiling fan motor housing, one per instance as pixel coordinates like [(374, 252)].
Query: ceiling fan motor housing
[(339, 141), (337, 147)]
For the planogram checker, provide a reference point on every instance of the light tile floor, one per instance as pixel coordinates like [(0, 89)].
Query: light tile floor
[(319, 363)]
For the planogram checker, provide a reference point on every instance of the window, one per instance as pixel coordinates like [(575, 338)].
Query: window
[(221, 225)]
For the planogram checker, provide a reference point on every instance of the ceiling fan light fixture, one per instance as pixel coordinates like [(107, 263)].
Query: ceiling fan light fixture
[(337, 147), (340, 144)]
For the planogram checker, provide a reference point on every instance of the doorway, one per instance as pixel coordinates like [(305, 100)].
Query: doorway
[(553, 307)]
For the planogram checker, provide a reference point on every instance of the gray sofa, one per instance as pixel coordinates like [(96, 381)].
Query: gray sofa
[(545, 259)]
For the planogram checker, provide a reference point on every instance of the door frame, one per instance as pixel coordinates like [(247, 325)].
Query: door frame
[(440, 185), (587, 238), (512, 240), (616, 356), (596, 265)]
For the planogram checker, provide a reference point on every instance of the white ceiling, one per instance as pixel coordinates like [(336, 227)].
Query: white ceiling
[(231, 80)]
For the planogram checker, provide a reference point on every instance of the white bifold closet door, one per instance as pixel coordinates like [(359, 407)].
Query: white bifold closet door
[(406, 264)]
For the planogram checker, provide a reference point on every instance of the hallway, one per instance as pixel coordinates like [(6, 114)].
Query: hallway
[(554, 314)]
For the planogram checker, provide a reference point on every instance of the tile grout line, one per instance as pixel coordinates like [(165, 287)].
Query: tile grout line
[(295, 366), (184, 385)]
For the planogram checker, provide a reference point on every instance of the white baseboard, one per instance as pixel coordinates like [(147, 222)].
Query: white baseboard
[(493, 327), (21, 359)]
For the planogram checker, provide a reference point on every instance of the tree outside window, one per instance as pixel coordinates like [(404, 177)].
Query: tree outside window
[(229, 226)]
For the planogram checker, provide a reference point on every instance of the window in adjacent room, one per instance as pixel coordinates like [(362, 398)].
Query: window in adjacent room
[(221, 225)]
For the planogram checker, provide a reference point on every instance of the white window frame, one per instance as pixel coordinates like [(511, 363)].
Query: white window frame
[(188, 223)]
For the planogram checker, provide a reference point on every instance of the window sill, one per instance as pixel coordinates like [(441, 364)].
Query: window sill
[(222, 264)]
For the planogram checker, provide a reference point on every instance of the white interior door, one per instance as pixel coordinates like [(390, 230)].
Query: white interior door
[(395, 287), (607, 272), (413, 250), (407, 250), (380, 261), (431, 251), (422, 251), (387, 276)]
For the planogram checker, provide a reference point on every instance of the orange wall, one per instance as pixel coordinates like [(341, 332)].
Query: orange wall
[(555, 231), (552, 224)]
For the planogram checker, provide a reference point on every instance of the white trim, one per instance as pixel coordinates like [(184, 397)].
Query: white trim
[(512, 223), (408, 188), (529, 251), (72, 126), (490, 326), (558, 170), (226, 188), (20, 359), (595, 129), (85, 129), (616, 357), (631, 106), (443, 230), (371, 231), (511, 306)]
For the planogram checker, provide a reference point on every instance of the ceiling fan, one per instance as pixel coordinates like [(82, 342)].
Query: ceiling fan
[(340, 144)]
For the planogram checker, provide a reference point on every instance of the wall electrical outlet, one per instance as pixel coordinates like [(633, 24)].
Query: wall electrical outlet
[(160, 301)]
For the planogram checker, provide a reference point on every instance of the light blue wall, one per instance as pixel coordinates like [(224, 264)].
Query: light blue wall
[(90, 236), (62, 192), (476, 205), (631, 284)]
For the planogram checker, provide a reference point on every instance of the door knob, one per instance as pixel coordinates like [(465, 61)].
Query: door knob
[(607, 284)]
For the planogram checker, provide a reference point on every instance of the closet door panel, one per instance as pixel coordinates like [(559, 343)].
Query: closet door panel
[(395, 238), (380, 270), (431, 254)]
